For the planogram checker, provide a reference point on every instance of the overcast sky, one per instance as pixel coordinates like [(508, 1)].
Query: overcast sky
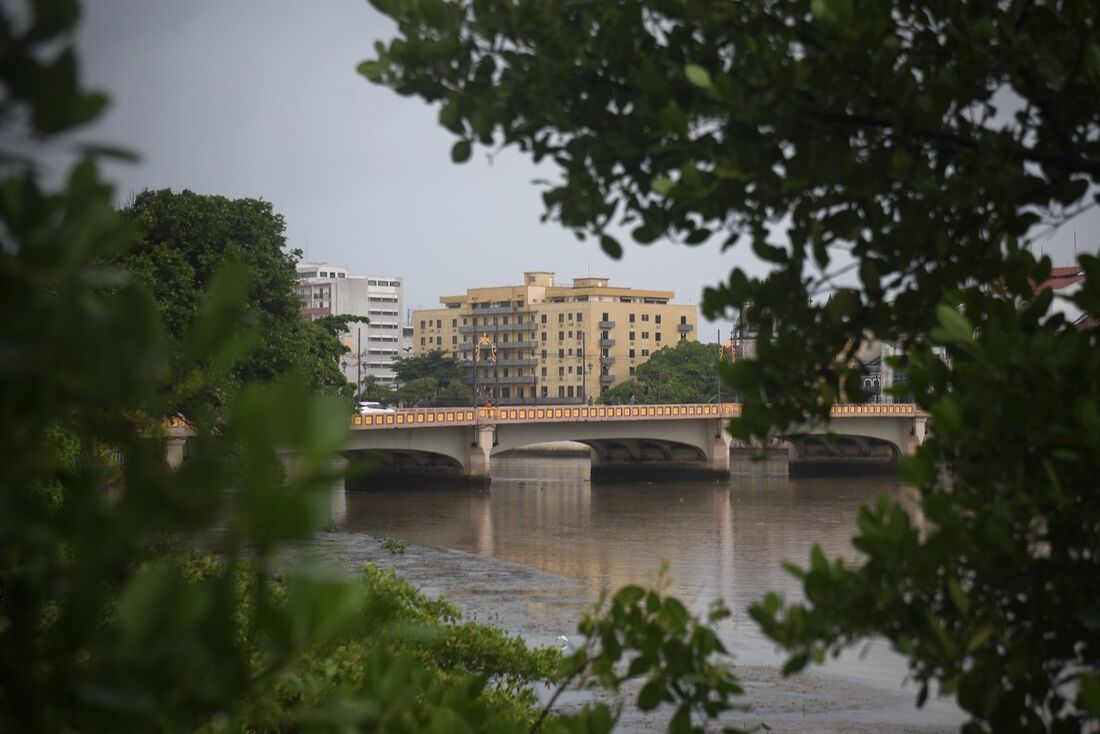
[(260, 98)]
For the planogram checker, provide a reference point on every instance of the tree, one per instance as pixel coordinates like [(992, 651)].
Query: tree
[(435, 364), (183, 239), (895, 156), (624, 391), (685, 373)]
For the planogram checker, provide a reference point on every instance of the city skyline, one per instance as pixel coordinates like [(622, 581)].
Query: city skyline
[(260, 99)]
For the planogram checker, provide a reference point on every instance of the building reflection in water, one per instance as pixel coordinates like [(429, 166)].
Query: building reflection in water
[(720, 540)]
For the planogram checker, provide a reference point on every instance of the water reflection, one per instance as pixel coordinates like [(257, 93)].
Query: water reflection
[(723, 540)]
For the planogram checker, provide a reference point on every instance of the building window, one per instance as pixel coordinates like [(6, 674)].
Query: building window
[(561, 318), (561, 336), (544, 318), (632, 336), (632, 318), (545, 391), (645, 317), (454, 323), (571, 334), (561, 372), (605, 317), (657, 318), (561, 391), (544, 354), (580, 317), (657, 336), (454, 340), (439, 323), (544, 336), (421, 341), (439, 340), (421, 323), (683, 319), (569, 391), (544, 372), (631, 371), (465, 321), (561, 354), (632, 354), (645, 334), (645, 352)]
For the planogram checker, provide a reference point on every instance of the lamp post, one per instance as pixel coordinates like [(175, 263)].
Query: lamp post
[(484, 341)]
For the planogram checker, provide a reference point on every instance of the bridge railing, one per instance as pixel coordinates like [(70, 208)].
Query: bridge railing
[(428, 417)]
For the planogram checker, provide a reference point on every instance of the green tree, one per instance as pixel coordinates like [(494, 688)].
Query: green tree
[(435, 364), (685, 373), (909, 147), (184, 238), (624, 391)]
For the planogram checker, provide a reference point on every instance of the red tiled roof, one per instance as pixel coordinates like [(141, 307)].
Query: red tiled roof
[(1062, 277)]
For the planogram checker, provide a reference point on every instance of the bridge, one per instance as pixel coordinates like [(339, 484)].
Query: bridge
[(626, 440)]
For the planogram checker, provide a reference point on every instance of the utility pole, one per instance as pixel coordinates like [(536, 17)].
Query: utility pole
[(584, 377), (358, 361), (717, 367)]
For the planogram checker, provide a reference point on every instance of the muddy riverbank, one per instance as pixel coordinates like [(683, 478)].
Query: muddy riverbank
[(541, 606)]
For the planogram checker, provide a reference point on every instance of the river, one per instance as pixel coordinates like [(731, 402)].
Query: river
[(718, 539)]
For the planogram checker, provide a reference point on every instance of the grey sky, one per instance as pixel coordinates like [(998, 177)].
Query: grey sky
[(260, 98)]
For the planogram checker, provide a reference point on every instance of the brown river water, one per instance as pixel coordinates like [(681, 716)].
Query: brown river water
[(723, 540)]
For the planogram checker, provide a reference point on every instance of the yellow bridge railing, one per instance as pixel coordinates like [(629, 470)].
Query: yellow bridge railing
[(427, 417)]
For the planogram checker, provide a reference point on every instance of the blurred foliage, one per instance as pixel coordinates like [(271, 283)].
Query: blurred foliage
[(894, 156), (183, 241), (109, 323)]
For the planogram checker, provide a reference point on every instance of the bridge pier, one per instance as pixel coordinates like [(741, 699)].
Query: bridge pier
[(477, 456)]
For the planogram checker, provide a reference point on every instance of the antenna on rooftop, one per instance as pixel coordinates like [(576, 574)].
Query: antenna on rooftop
[(1074, 244)]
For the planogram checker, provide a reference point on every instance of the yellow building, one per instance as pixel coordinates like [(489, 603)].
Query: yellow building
[(550, 343)]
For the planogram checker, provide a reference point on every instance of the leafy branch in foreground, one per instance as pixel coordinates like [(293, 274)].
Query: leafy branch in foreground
[(642, 635)]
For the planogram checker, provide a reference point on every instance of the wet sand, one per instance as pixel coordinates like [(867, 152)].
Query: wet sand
[(541, 607)]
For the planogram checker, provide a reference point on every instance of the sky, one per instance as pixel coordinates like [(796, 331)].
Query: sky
[(260, 98)]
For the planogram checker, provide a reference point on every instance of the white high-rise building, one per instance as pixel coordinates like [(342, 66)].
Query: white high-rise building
[(328, 290)]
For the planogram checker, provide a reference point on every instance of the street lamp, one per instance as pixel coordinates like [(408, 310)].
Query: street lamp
[(484, 341)]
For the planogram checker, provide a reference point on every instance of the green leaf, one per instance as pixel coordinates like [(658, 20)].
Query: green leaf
[(698, 76), (954, 326), (611, 246), (461, 151)]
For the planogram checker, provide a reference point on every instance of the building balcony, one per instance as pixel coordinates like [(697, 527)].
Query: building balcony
[(607, 379), (493, 310), (684, 328), (607, 361), (516, 345), (607, 342), (494, 328), (607, 324), (510, 380), (502, 363)]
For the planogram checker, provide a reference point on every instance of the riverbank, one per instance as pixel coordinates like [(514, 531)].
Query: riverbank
[(541, 607)]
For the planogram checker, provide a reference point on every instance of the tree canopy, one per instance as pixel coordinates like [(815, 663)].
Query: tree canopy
[(896, 156), (684, 373), (435, 364), (184, 239)]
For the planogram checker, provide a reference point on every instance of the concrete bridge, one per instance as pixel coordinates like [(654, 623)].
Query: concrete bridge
[(629, 440)]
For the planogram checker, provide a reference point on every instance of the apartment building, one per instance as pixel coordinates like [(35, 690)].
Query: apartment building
[(330, 290), (543, 342)]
